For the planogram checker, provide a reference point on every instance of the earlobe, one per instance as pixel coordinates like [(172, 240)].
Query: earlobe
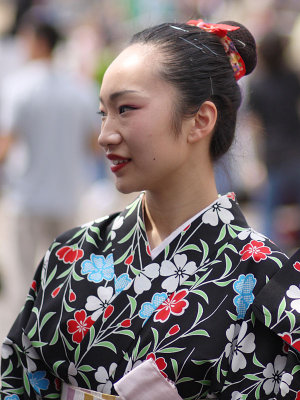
[(204, 122)]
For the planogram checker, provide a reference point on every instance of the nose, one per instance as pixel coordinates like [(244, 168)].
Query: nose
[(109, 134)]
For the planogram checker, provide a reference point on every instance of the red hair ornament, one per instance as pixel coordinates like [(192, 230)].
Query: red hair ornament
[(221, 31)]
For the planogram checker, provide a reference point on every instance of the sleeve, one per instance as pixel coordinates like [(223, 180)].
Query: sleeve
[(24, 375), (263, 350), (10, 108)]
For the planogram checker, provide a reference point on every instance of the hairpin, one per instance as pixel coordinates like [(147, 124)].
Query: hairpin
[(221, 31)]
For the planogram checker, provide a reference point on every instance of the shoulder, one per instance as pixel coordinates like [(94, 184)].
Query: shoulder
[(277, 305)]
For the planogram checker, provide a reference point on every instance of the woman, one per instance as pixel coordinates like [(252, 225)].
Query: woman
[(178, 277)]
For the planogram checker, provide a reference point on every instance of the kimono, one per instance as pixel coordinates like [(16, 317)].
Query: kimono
[(217, 310)]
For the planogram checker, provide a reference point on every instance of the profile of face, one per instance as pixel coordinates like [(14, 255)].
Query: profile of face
[(137, 131)]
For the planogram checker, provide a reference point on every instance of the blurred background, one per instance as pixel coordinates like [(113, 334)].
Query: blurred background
[(52, 173)]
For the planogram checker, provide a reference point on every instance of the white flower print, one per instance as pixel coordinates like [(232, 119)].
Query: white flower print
[(102, 376), (294, 293), (118, 222), (286, 380), (6, 350), (99, 304), (252, 233), (218, 210), (239, 343), (30, 352), (142, 281), (236, 396), (130, 365), (273, 374), (177, 272), (72, 372)]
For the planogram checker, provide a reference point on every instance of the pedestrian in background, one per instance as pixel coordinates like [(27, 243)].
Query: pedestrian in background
[(48, 130), (274, 98)]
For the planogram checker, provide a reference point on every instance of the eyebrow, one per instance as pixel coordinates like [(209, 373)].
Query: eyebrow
[(116, 95)]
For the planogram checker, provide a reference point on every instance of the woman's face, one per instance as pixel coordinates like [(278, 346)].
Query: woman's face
[(137, 132)]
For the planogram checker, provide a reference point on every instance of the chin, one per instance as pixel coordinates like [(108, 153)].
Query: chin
[(126, 188)]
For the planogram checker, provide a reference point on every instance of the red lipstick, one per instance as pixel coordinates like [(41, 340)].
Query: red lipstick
[(118, 162)]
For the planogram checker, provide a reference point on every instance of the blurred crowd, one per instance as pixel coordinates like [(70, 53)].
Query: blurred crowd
[(52, 172)]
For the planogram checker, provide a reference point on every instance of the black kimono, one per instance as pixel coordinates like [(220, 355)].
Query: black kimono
[(217, 309)]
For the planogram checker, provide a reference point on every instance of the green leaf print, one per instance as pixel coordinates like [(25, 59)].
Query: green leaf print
[(189, 247), (268, 316), (128, 236), (56, 366), (171, 350), (175, 367), (281, 308), (256, 362), (96, 230), (252, 377), (133, 304), (143, 351), (32, 331), (126, 332), (91, 240), (221, 235), (199, 332), (46, 318), (77, 354), (108, 345), (202, 294), (292, 319)]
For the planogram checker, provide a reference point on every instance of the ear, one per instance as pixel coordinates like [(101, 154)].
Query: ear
[(204, 122)]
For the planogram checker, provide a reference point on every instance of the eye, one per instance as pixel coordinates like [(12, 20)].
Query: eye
[(123, 109), (101, 113)]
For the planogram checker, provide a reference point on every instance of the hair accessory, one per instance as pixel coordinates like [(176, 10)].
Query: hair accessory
[(221, 30)]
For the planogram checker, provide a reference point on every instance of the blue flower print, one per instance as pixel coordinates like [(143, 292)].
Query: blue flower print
[(244, 286), (12, 397), (122, 282), (98, 268), (38, 381), (148, 308)]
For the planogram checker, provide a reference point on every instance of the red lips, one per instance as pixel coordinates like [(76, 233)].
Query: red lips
[(119, 162)]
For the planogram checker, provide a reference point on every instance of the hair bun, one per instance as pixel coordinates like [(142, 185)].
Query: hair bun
[(244, 43)]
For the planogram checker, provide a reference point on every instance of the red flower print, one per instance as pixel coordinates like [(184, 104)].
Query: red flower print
[(72, 296), (160, 362), (69, 254), (129, 260), (55, 292), (175, 329), (126, 323), (148, 250), (174, 304), (298, 396), (187, 227), (288, 339), (79, 326), (108, 311), (256, 250), (57, 383), (231, 195), (33, 285), (297, 266)]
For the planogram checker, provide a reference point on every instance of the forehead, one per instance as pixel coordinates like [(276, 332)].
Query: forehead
[(135, 68)]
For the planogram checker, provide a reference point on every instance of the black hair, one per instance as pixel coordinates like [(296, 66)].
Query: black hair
[(42, 27), (195, 62), (272, 51), (48, 33)]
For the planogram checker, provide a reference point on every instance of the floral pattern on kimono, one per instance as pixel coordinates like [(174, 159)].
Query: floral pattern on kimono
[(217, 310)]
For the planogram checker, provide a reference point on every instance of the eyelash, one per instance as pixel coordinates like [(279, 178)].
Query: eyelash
[(122, 110), (127, 108), (101, 113)]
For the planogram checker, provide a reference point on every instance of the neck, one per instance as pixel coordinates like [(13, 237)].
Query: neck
[(166, 210)]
